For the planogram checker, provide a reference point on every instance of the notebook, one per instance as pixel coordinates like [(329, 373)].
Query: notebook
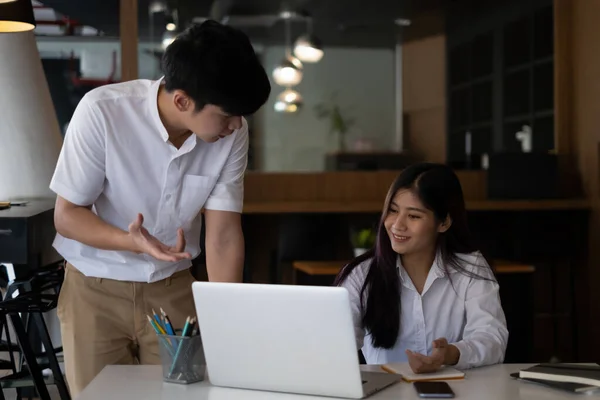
[(565, 386), (444, 373), (573, 373)]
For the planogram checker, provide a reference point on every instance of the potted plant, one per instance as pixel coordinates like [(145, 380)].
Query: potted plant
[(363, 240), (338, 123)]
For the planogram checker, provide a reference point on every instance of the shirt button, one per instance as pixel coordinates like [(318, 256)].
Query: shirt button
[(168, 197)]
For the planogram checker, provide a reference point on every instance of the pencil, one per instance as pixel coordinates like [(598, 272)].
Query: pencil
[(168, 325), (157, 318), (186, 327), (159, 329)]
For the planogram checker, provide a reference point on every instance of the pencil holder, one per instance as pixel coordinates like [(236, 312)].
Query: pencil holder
[(182, 358)]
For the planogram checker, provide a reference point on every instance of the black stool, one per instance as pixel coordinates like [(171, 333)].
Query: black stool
[(28, 300)]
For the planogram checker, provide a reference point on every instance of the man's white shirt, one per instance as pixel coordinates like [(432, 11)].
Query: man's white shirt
[(116, 156)]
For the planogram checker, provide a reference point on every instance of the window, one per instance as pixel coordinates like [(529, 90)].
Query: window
[(500, 78)]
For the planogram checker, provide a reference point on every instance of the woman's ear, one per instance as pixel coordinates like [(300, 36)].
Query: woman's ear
[(445, 225)]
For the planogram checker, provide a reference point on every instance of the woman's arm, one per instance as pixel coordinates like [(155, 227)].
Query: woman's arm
[(485, 335), (353, 284)]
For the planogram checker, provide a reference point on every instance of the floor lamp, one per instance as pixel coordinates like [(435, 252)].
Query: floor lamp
[(30, 138)]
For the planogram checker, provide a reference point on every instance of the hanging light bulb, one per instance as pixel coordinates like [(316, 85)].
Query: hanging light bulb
[(171, 21), (288, 101), (173, 29), (308, 48), (289, 72), (168, 38)]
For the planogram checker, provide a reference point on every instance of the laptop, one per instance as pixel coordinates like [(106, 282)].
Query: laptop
[(282, 338)]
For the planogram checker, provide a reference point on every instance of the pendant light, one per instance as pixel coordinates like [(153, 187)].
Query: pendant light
[(172, 29), (16, 16), (288, 101), (289, 71), (308, 48), (168, 38)]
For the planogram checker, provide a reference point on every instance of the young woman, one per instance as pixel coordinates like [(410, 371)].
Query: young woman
[(425, 294)]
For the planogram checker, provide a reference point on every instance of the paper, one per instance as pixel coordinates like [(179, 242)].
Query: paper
[(444, 373)]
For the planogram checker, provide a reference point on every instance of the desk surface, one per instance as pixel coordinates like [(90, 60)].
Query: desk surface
[(32, 208), (118, 382)]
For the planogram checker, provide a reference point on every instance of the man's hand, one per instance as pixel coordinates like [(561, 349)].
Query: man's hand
[(442, 353), (144, 242)]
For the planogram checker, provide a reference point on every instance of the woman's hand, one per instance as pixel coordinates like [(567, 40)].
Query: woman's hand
[(442, 354)]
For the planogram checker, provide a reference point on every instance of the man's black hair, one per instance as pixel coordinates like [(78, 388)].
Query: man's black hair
[(216, 64)]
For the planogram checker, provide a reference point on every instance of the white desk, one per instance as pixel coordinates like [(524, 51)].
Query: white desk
[(120, 382)]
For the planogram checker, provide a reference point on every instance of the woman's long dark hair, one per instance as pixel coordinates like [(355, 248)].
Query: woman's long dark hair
[(439, 189)]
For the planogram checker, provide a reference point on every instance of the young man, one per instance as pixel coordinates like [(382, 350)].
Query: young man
[(140, 160)]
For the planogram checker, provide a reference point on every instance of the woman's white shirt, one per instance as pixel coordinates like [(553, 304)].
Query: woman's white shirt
[(464, 310)]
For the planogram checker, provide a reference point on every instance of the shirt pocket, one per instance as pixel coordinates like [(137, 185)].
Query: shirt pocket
[(195, 190)]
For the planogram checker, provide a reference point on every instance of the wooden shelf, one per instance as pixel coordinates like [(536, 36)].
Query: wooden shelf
[(333, 267), (282, 207)]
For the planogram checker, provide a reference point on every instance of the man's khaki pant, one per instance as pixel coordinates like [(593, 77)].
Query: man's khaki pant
[(104, 321)]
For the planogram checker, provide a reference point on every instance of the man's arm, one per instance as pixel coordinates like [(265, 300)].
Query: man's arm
[(224, 246), (78, 181), (222, 215), (81, 224)]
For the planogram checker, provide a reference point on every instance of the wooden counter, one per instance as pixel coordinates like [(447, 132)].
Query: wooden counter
[(364, 192), (376, 206)]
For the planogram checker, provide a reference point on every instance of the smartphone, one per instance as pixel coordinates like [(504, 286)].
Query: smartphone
[(433, 389)]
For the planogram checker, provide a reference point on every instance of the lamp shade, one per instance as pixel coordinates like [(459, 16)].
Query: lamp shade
[(30, 138), (16, 16), (288, 72), (308, 48)]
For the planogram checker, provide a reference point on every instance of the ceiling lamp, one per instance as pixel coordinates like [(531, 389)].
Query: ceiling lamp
[(288, 72), (288, 101), (168, 38), (308, 48), (16, 16), (6, 1), (157, 6)]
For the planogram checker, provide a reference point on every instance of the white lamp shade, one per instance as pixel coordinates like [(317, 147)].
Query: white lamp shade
[(308, 49), (288, 73), (30, 139)]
